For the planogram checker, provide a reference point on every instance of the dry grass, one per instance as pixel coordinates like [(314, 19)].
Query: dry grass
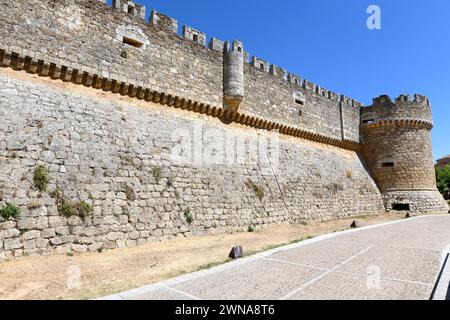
[(122, 269)]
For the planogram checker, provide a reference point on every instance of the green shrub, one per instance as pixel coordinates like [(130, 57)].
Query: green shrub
[(83, 209), (157, 173), (129, 193), (41, 178), (258, 189), (170, 181), (9, 211), (55, 194), (188, 215), (65, 208)]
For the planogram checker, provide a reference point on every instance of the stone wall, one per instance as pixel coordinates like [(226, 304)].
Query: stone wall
[(114, 153)]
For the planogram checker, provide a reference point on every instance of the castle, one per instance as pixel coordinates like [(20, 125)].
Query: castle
[(94, 94)]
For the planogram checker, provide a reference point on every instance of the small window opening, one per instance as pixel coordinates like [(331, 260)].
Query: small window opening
[(239, 49), (132, 42), (297, 101), (131, 10), (195, 37), (300, 113), (296, 81), (387, 164), (401, 207), (261, 66), (370, 121)]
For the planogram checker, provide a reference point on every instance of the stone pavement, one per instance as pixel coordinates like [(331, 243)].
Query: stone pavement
[(399, 260)]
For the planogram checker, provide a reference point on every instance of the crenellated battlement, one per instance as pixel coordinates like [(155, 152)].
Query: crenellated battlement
[(126, 51), (404, 109), (130, 7), (167, 23)]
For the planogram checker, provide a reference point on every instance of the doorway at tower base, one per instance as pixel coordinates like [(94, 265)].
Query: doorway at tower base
[(416, 202)]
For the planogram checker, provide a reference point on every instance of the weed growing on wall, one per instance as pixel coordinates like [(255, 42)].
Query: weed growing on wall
[(41, 178), (9, 211)]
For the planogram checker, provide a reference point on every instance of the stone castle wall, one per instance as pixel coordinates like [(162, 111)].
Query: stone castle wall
[(102, 99), (100, 147), (87, 37)]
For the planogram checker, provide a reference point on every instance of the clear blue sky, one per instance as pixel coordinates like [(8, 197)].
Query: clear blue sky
[(327, 42)]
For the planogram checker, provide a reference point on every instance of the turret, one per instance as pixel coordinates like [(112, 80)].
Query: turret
[(233, 76), (397, 149)]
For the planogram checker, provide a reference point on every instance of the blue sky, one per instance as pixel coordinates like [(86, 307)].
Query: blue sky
[(327, 42)]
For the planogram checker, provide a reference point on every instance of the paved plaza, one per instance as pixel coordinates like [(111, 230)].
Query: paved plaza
[(399, 260)]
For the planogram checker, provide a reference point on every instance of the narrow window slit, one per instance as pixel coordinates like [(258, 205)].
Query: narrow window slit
[(401, 207), (387, 164), (132, 42)]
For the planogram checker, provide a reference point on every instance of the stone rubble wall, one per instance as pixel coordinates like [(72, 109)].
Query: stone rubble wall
[(420, 201), (98, 146)]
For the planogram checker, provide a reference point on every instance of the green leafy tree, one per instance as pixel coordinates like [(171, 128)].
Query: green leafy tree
[(443, 180)]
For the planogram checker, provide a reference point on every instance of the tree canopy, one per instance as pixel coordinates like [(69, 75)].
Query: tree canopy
[(443, 180)]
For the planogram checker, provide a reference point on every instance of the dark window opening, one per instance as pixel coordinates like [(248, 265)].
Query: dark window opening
[(195, 37), (299, 102), (370, 121), (131, 10), (262, 67), (239, 49), (132, 42), (387, 164), (401, 207), (300, 113), (296, 81)]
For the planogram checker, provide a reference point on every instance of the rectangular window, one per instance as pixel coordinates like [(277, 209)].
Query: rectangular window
[(132, 42), (401, 207), (387, 164), (299, 102), (195, 37), (131, 10)]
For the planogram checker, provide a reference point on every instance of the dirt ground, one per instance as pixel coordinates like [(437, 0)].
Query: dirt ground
[(123, 269)]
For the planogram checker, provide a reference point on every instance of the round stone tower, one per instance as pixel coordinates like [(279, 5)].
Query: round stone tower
[(397, 148), (234, 76)]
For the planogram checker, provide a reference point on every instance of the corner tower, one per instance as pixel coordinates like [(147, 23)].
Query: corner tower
[(397, 148)]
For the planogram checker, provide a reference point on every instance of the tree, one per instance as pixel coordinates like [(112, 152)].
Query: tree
[(443, 180)]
